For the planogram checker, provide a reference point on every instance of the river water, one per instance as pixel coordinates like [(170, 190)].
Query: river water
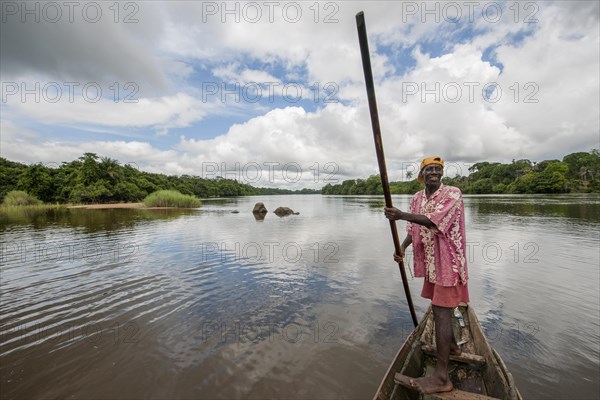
[(209, 303)]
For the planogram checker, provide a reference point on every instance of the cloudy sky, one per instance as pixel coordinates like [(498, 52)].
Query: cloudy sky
[(261, 91)]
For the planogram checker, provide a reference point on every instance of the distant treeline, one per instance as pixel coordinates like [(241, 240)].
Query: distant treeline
[(576, 173), (94, 179)]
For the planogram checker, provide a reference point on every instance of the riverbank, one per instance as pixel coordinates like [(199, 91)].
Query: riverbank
[(106, 206), (85, 206), (118, 205)]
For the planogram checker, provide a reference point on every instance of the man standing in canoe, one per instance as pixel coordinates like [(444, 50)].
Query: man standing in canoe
[(436, 229)]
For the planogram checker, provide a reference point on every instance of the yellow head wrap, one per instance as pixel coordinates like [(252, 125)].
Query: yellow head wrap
[(426, 162)]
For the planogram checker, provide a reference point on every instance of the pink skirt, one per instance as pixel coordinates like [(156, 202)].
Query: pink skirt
[(445, 296)]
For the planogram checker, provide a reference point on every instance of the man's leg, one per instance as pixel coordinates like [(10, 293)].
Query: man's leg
[(439, 381)]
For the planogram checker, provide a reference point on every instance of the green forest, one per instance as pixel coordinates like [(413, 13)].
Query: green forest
[(576, 173), (94, 179)]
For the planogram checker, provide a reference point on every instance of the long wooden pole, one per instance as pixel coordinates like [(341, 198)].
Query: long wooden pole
[(366, 61)]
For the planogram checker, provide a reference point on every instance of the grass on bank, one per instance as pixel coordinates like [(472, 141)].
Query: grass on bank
[(171, 198), (20, 198), (22, 203)]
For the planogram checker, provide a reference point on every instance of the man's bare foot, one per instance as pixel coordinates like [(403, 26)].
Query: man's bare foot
[(431, 384), (455, 349)]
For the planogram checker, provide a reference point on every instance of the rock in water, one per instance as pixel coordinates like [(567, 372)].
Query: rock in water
[(285, 211), (259, 208)]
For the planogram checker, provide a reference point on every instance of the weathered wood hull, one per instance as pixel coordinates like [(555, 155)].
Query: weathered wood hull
[(479, 373)]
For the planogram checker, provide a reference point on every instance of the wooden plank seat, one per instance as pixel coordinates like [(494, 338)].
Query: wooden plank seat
[(463, 357)]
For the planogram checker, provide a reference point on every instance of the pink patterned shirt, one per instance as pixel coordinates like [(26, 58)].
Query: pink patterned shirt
[(440, 252)]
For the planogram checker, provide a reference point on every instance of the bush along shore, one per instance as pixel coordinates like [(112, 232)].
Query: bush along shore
[(171, 198), (18, 199)]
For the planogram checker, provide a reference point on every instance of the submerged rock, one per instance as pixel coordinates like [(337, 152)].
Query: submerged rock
[(285, 211)]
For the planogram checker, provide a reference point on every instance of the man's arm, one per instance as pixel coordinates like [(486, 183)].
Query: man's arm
[(394, 214), (407, 242)]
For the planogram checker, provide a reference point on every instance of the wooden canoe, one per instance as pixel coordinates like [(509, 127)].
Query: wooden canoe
[(478, 373)]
